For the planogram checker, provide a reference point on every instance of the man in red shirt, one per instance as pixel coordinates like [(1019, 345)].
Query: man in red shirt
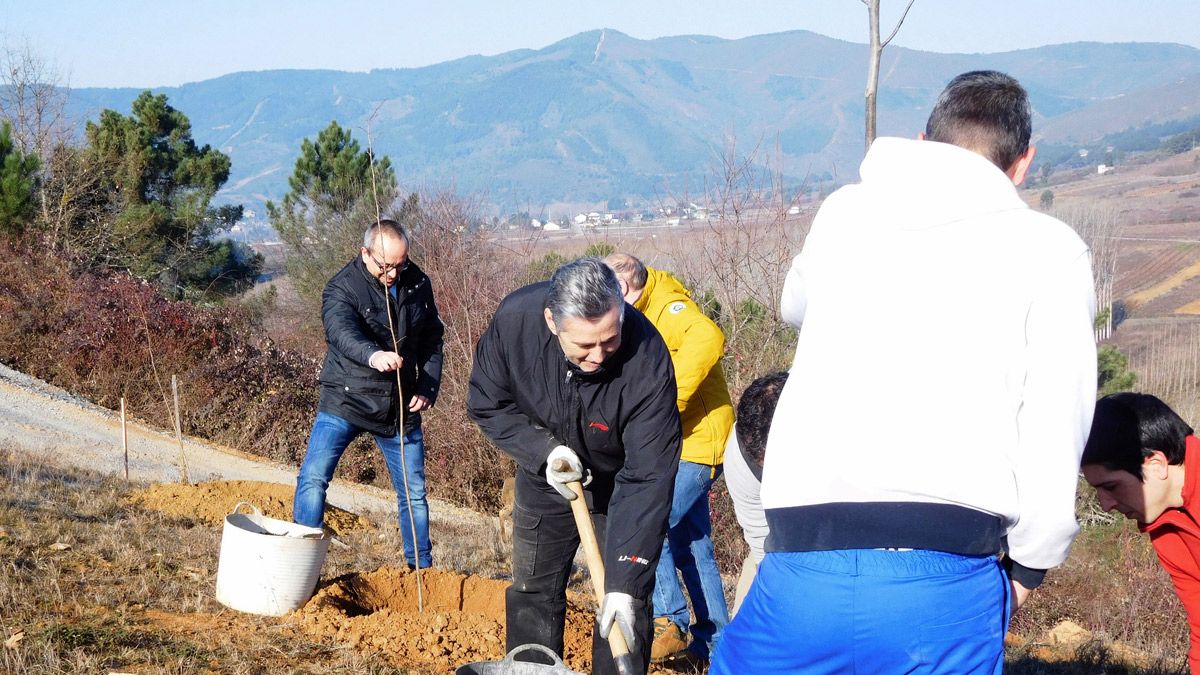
[(1144, 462)]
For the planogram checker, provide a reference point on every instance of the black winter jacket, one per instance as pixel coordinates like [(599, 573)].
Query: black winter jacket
[(622, 422), (354, 311)]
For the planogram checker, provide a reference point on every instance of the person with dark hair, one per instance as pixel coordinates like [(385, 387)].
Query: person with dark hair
[(988, 113), (566, 371), (743, 470), (379, 318), (939, 311), (696, 345), (1144, 461)]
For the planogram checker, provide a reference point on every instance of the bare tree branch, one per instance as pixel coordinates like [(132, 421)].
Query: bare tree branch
[(875, 55), (898, 24)]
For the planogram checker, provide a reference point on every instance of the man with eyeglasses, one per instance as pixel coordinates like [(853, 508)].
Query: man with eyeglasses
[(380, 319)]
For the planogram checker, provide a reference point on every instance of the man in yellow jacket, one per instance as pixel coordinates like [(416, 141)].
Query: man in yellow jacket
[(696, 345)]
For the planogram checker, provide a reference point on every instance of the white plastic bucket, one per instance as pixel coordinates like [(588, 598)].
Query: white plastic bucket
[(268, 566)]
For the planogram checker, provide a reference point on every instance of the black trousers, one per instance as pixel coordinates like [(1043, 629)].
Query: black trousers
[(545, 541)]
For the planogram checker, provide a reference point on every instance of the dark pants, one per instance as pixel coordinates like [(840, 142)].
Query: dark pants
[(544, 544)]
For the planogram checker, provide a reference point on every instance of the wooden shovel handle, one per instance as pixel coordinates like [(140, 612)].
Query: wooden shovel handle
[(591, 551)]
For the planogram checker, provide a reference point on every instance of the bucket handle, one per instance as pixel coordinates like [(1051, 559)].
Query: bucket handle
[(508, 659), (254, 508)]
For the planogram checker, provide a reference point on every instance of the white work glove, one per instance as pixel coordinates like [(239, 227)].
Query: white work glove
[(618, 608), (559, 479)]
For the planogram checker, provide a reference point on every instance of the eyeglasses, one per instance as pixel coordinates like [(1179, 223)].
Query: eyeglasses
[(385, 268)]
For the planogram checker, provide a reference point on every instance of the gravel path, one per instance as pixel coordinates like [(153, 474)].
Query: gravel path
[(47, 422)]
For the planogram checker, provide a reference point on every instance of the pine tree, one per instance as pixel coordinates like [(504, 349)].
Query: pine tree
[(18, 180), (337, 190), (157, 186), (334, 173)]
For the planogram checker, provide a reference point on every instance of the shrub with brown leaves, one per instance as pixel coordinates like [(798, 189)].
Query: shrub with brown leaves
[(108, 336)]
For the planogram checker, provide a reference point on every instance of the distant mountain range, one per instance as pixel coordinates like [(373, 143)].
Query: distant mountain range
[(603, 117)]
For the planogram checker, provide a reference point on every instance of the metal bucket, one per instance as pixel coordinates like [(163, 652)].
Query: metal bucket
[(510, 667)]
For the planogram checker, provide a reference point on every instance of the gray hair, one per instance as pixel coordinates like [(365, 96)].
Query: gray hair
[(381, 228), (584, 289)]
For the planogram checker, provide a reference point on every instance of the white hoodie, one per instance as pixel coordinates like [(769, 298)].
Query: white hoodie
[(945, 374)]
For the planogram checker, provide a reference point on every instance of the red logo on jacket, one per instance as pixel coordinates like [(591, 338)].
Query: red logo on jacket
[(598, 425)]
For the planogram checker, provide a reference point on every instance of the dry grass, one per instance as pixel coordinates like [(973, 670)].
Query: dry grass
[(1091, 658), (1112, 585), (94, 584)]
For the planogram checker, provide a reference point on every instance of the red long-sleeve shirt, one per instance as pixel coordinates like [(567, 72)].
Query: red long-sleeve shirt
[(1176, 538)]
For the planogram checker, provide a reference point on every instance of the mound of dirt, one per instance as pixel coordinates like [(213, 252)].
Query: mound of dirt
[(1067, 641), (462, 621), (211, 501)]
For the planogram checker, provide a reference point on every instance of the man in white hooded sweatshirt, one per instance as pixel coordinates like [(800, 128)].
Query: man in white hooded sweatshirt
[(941, 394)]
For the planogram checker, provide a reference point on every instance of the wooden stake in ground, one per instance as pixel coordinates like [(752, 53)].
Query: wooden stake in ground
[(183, 474), (124, 439)]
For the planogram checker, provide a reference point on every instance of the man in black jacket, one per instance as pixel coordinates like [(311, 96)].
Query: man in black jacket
[(379, 318), (567, 371)]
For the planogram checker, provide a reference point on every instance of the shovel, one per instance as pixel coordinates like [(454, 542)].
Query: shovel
[(591, 551)]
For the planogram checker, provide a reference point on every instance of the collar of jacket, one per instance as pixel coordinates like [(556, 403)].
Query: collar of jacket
[(643, 300), (578, 373), (1184, 516), (663, 283)]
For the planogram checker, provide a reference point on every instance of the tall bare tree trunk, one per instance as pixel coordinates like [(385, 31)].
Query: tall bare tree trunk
[(876, 54), (872, 68)]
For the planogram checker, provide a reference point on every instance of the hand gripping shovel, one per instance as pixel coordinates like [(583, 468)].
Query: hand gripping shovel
[(591, 551)]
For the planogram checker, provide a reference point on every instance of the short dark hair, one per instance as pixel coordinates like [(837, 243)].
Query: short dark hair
[(1127, 427), (755, 410), (985, 111), (584, 289), (381, 227)]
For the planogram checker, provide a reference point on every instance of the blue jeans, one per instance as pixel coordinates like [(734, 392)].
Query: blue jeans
[(688, 547), (870, 611), (330, 436)]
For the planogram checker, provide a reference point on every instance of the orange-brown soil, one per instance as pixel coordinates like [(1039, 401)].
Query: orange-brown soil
[(462, 620), (461, 617), (211, 501)]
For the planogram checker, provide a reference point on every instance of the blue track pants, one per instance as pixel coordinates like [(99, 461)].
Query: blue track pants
[(870, 611)]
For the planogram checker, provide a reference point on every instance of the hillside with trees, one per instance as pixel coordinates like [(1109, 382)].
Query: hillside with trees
[(603, 116)]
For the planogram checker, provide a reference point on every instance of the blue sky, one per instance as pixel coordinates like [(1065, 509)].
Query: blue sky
[(145, 43)]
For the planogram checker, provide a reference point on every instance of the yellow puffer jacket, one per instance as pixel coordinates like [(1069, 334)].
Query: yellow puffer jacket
[(696, 345)]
